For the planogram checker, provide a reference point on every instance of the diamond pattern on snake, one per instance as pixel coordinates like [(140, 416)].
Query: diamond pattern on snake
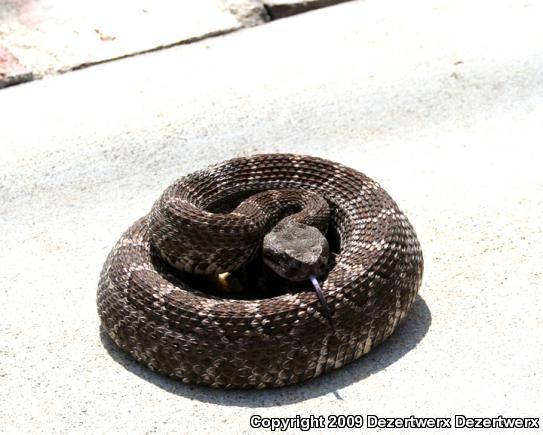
[(260, 272)]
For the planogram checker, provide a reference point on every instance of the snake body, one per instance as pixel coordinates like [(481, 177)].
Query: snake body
[(215, 220)]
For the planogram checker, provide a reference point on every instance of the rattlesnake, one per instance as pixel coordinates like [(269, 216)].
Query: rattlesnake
[(150, 306)]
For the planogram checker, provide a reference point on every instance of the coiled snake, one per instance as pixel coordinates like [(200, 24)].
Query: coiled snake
[(213, 221)]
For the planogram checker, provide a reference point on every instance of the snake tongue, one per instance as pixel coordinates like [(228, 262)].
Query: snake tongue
[(318, 290)]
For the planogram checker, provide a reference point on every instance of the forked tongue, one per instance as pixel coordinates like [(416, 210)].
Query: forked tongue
[(323, 302)]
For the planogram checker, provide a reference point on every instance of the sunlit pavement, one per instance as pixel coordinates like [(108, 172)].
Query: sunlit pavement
[(442, 103)]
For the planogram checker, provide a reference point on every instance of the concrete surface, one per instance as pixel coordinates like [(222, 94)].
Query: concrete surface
[(442, 103), (43, 37), (49, 36)]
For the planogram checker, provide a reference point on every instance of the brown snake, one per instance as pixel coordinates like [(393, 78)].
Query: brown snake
[(214, 221)]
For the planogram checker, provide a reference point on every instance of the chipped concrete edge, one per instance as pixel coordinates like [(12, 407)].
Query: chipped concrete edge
[(248, 12)]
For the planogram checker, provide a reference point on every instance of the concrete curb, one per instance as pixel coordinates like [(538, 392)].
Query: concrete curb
[(53, 36)]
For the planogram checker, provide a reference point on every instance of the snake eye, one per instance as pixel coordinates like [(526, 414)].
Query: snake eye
[(296, 251)]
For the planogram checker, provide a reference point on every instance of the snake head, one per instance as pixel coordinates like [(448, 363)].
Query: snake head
[(296, 251)]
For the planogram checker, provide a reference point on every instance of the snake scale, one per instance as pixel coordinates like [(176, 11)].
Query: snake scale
[(214, 221)]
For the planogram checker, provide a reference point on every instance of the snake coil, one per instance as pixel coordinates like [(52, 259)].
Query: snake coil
[(153, 312)]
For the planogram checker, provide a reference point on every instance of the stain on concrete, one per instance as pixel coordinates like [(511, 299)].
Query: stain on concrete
[(12, 71)]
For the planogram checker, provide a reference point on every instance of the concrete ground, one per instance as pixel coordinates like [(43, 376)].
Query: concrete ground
[(44, 37), (442, 103), (49, 36)]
